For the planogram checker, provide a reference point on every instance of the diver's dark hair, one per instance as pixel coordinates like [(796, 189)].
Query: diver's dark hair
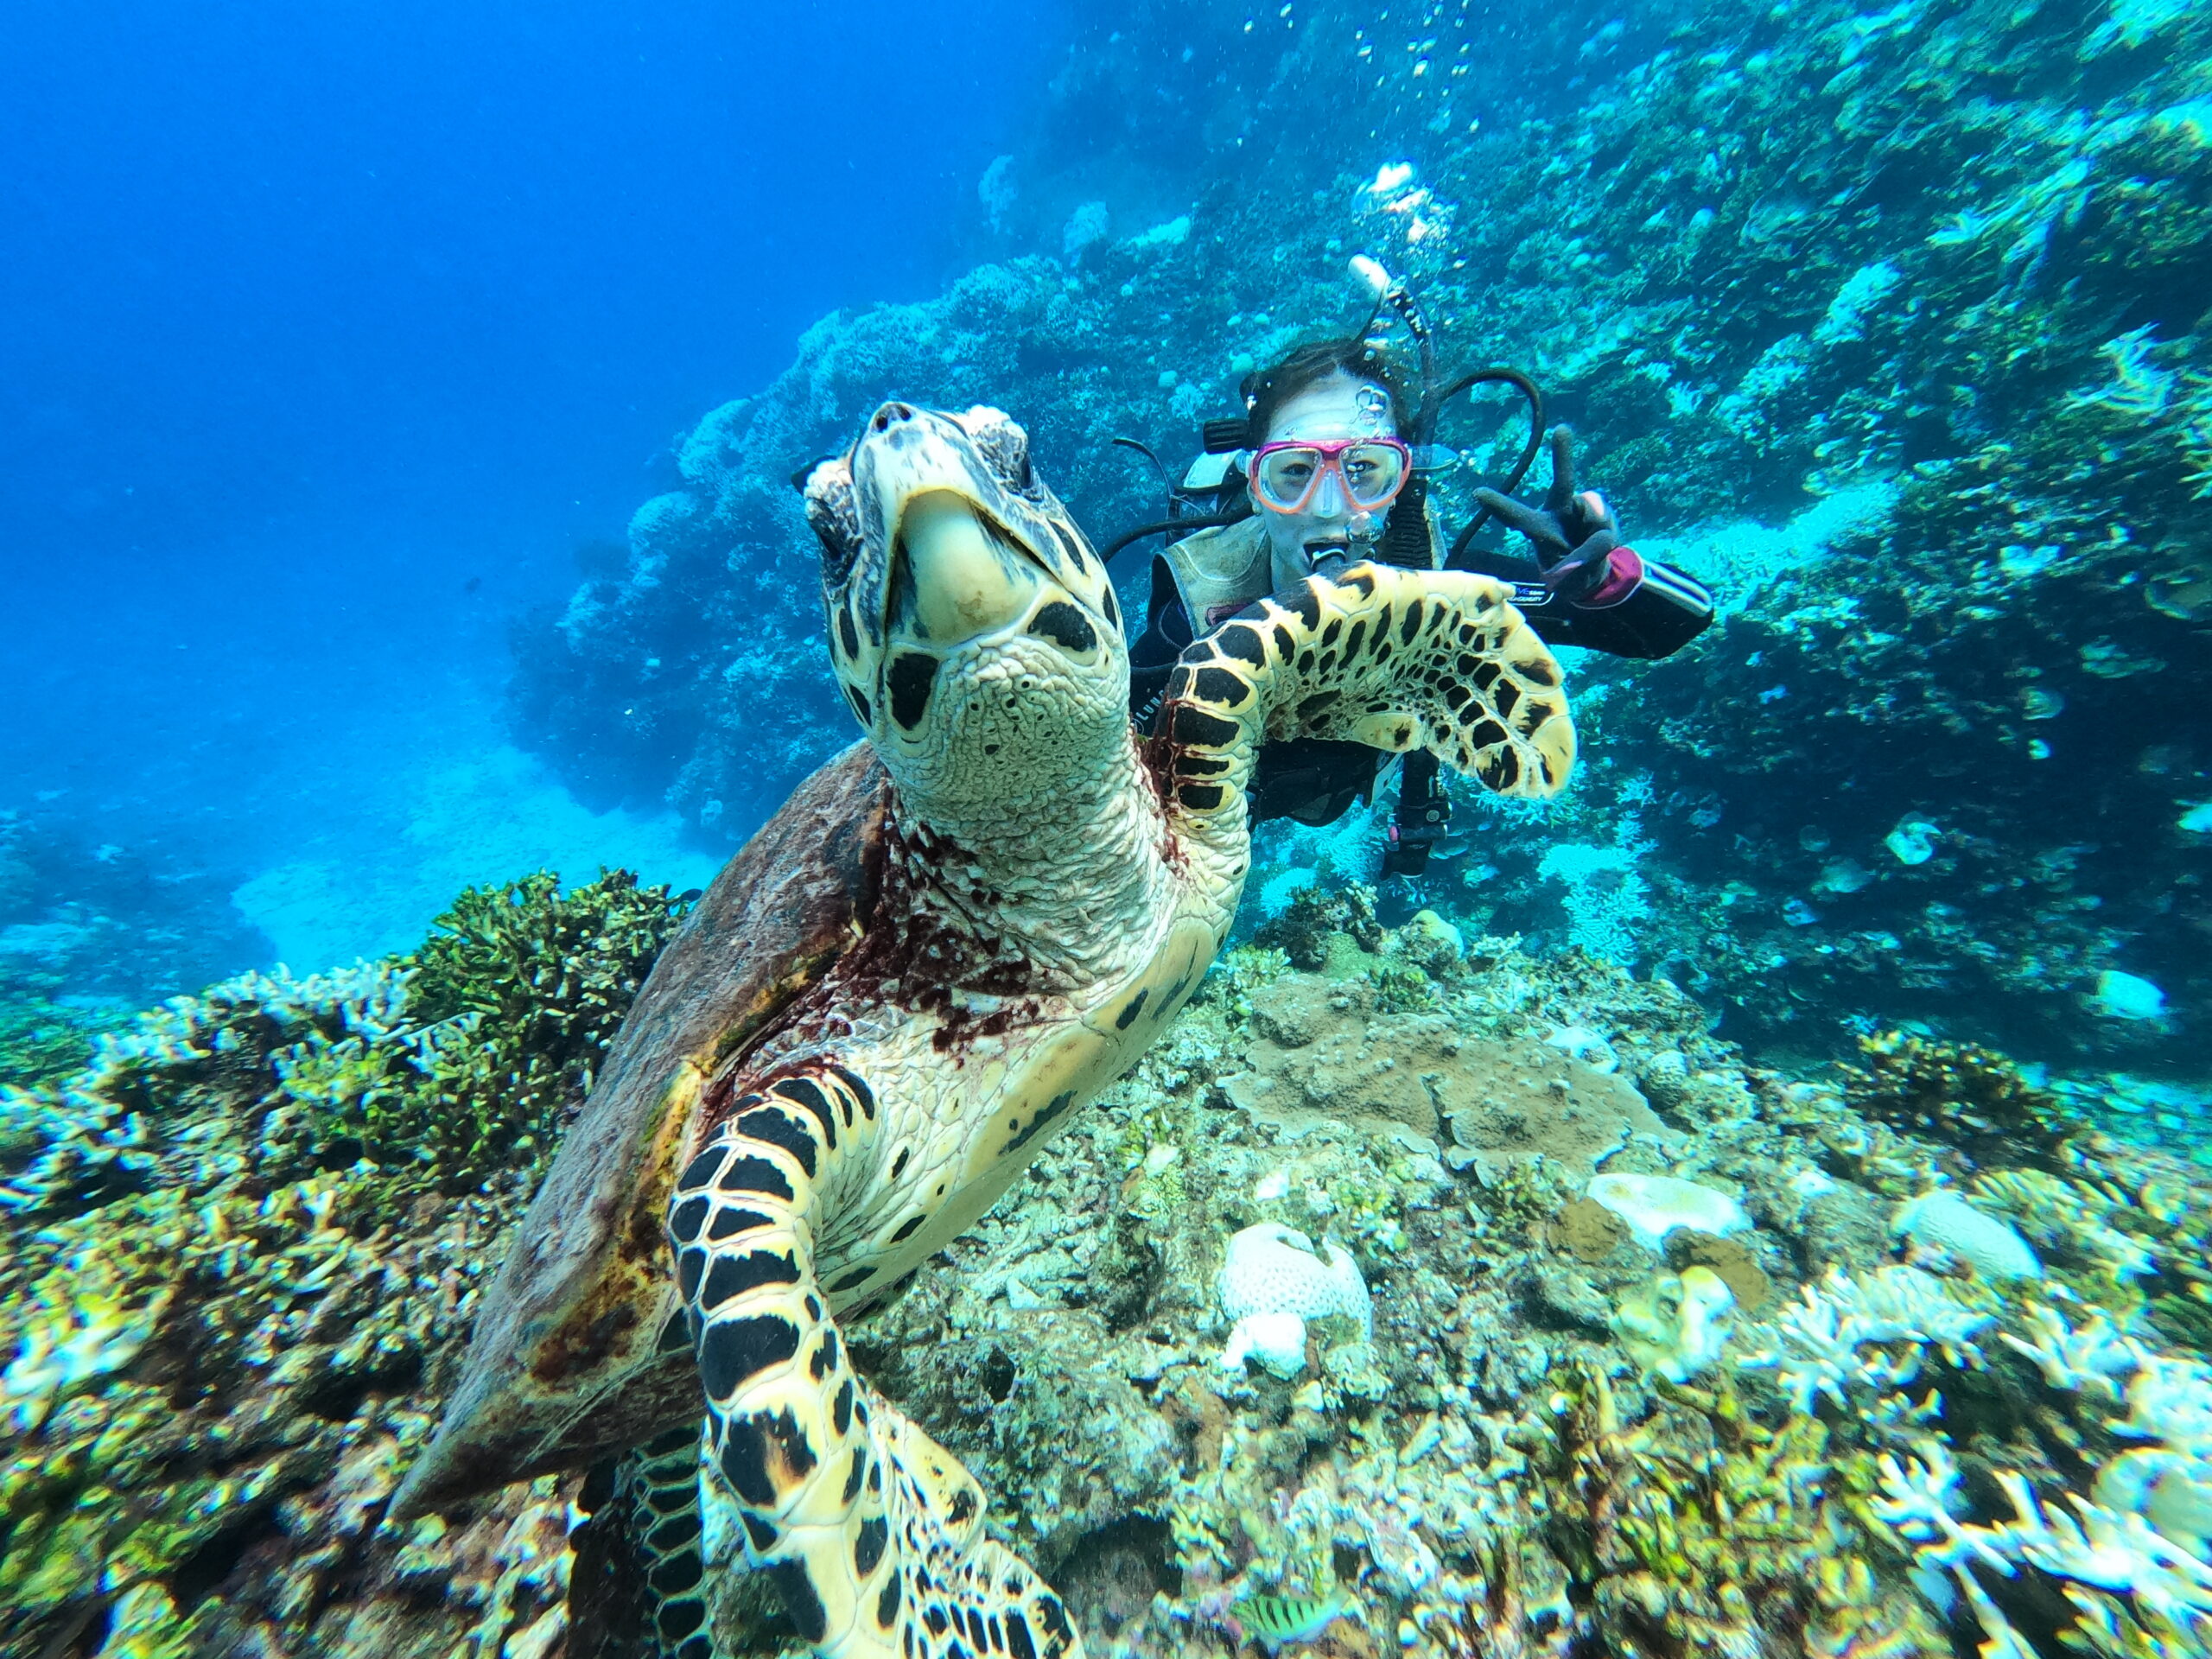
[(1266, 391)]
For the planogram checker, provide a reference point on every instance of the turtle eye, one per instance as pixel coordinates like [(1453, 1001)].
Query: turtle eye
[(1011, 453), (833, 514), (1007, 447)]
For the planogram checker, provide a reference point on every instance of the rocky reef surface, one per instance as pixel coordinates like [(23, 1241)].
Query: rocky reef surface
[(1428, 1297), (1888, 322)]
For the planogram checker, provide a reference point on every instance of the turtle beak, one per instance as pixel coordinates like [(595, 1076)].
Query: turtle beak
[(954, 574), (954, 570)]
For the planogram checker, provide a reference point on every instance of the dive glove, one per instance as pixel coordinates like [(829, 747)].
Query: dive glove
[(1574, 534)]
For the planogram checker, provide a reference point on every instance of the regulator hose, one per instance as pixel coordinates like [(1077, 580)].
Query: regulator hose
[(1529, 391)]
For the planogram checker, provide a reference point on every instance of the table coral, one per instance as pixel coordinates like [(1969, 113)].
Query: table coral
[(1326, 1052)]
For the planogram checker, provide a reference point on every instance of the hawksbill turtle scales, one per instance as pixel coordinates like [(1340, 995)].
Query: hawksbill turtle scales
[(950, 939)]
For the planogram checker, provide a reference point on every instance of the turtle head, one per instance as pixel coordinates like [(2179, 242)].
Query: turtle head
[(973, 631)]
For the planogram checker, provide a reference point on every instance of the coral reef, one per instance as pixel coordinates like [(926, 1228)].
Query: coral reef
[(228, 1324), (1550, 1438), (242, 1246), (1326, 1052), (1884, 323)]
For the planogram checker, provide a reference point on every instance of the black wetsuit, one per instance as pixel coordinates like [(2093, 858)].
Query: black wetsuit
[(1315, 781)]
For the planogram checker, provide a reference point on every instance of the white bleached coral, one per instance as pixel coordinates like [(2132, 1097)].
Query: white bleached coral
[(2131, 1556), (1276, 1340), (1675, 1326), (1273, 1280), (2097, 1553), (1815, 1342), (67, 1344), (2171, 1400), (2089, 1358), (1654, 1206), (2171, 1489), (1941, 1220)]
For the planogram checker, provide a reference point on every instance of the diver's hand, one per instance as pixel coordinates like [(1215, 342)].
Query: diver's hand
[(1573, 533)]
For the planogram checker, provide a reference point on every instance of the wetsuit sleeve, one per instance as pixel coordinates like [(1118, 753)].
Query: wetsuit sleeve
[(1312, 780), (1642, 608)]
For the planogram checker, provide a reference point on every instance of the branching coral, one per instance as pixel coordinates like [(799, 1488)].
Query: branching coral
[(1897, 1311), (2075, 1216), (1955, 1093), (518, 994), (2135, 1590), (2092, 1358), (1700, 1531)]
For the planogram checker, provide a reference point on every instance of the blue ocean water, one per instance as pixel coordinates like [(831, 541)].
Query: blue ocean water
[(328, 336)]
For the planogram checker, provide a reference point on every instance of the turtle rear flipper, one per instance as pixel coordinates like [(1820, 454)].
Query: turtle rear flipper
[(1398, 659), (870, 1529)]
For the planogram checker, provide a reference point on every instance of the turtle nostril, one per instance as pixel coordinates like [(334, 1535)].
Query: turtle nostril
[(890, 413)]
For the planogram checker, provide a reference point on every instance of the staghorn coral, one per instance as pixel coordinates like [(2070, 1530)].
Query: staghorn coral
[(2134, 1592), (524, 985), (1700, 1531), (1815, 1344)]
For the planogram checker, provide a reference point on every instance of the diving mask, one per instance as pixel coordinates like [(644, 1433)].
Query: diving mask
[(1287, 476)]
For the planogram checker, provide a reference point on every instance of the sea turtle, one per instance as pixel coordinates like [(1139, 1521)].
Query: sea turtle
[(952, 936)]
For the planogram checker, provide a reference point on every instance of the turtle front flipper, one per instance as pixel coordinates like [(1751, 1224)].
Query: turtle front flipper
[(1398, 659), (871, 1531)]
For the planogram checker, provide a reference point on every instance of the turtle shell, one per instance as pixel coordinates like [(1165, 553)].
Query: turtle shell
[(566, 1363)]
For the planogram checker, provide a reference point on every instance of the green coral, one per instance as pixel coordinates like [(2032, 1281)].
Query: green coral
[(1958, 1094), (39, 1042), (517, 993), (1700, 1531), (1236, 975), (1403, 988)]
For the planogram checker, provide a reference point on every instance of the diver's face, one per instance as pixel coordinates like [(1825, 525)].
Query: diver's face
[(1329, 529)]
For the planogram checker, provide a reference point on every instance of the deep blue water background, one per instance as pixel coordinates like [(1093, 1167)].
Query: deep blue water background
[(327, 333)]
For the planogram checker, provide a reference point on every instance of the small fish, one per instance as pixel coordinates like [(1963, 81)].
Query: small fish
[(1274, 1622)]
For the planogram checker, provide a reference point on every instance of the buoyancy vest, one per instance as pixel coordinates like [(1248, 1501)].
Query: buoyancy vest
[(1219, 571)]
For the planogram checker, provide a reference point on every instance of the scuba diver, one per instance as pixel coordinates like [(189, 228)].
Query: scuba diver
[(1330, 465)]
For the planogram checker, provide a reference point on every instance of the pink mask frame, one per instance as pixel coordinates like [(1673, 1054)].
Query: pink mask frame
[(1331, 455)]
